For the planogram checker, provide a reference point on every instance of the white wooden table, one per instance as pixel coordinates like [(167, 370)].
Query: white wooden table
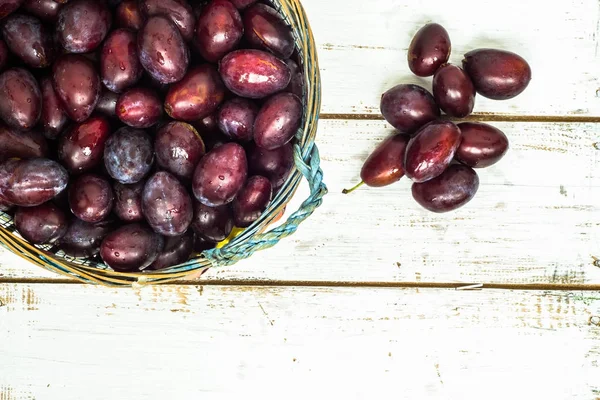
[(365, 301)]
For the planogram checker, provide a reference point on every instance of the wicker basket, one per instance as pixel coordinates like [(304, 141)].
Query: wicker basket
[(248, 241)]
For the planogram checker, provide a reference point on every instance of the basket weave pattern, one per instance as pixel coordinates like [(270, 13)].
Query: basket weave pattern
[(252, 239)]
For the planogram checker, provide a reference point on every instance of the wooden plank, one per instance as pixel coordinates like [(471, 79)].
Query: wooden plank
[(535, 220), (363, 49), (75, 341)]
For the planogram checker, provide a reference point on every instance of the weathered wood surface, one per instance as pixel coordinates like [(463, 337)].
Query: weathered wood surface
[(363, 46), (262, 327), (536, 219), (75, 341)]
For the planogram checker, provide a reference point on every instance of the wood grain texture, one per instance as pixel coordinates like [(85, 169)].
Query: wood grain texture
[(535, 220), (363, 49), (76, 341), (61, 341)]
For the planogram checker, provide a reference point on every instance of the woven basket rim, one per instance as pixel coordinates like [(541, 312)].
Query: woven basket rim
[(91, 271)]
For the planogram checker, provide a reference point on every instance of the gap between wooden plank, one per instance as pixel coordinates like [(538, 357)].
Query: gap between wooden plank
[(491, 117), (342, 284)]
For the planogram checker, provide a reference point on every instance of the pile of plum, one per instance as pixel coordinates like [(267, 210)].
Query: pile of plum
[(438, 155), (143, 131)]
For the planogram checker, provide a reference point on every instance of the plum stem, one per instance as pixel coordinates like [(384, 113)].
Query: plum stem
[(347, 191)]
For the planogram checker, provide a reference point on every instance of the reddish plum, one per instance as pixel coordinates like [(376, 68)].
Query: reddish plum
[(197, 95), (43, 224), (131, 248), (429, 49), (219, 29), (454, 188), (82, 25), (120, 66), (91, 198), (178, 148), (162, 51), (20, 99), (166, 205), (29, 40), (236, 119), (220, 175), (481, 144), (81, 147), (265, 29), (139, 107), (254, 73), (408, 107), (431, 150), (77, 85), (252, 201), (278, 121)]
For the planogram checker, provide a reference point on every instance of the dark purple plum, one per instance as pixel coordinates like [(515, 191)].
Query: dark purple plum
[(201, 244), (178, 148), (431, 150), (77, 85), (131, 248), (177, 250), (296, 84), (166, 205), (278, 121), (197, 95), (408, 107), (252, 201), (81, 147), (429, 49), (83, 239), (53, 118), (454, 188), (178, 11), (20, 99), (128, 201), (128, 15), (29, 40), (107, 103), (30, 144), (269, 73), (219, 29), (497, 74), (274, 164), (43, 224), (236, 119), (162, 51), (7, 7), (128, 155), (481, 144), (139, 107), (213, 224), (265, 29), (386, 164), (82, 25), (91, 198), (453, 91), (29, 183), (120, 66), (220, 175), (46, 10)]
